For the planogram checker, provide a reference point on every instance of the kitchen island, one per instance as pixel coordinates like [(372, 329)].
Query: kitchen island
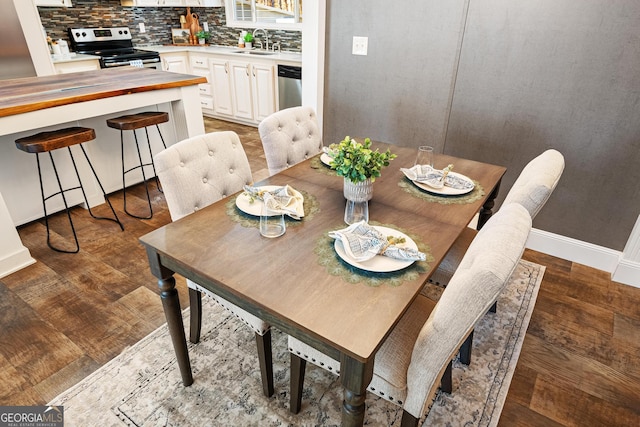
[(35, 104)]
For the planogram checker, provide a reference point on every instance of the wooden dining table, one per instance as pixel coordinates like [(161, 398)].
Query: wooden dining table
[(285, 281)]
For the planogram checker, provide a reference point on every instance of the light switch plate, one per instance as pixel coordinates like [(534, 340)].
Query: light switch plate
[(360, 45), (141, 26)]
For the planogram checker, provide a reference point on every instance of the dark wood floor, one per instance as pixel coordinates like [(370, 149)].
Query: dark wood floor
[(67, 315)]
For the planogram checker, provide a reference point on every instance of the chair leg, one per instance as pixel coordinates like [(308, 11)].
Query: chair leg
[(263, 343), (408, 420), (152, 162), (195, 315), (465, 350), (494, 307), (104, 194), (66, 207), (296, 382), (446, 382), (144, 177)]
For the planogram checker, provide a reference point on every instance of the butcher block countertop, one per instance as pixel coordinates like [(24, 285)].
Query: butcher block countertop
[(37, 93)]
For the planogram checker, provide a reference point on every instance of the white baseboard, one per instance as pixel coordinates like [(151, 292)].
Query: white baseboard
[(15, 261), (609, 260)]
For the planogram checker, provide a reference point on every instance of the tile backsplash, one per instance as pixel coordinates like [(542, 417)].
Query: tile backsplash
[(158, 22)]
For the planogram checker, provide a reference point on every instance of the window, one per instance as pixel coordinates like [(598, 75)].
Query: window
[(276, 14)]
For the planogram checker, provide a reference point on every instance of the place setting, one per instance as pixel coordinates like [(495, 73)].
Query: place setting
[(322, 162), (271, 207), (373, 253), (438, 185)]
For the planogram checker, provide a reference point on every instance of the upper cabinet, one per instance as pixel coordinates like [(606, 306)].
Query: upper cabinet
[(53, 3), (174, 3), (204, 3), (272, 14)]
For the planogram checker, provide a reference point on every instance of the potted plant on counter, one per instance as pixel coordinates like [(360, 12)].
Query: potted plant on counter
[(203, 36), (248, 40), (360, 166)]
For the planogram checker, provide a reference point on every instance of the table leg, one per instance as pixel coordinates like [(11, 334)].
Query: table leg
[(172, 312), (355, 377), (486, 209)]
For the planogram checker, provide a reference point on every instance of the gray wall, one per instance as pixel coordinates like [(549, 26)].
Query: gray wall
[(500, 81)]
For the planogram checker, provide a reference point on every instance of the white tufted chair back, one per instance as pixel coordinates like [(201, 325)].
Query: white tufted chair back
[(290, 136), (537, 181), (202, 170)]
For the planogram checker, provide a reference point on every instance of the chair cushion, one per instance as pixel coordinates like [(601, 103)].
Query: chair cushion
[(258, 325), (290, 136)]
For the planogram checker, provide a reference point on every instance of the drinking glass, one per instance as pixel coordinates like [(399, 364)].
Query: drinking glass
[(356, 212), (271, 222), (425, 155)]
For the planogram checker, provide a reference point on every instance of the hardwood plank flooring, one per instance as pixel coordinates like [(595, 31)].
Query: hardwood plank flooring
[(67, 315)]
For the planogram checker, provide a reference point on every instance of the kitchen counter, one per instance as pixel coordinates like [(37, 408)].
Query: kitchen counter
[(36, 104), (37, 93), (290, 57)]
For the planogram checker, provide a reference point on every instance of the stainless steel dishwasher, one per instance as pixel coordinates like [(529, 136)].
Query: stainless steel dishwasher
[(289, 86)]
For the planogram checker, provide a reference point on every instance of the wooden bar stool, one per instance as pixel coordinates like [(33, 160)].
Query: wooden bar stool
[(133, 122), (46, 142)]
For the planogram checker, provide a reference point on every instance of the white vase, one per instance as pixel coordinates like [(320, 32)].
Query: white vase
[(358, 191), (358, 195)]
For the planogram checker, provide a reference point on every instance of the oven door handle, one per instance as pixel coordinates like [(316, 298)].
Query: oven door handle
[(123, 63)]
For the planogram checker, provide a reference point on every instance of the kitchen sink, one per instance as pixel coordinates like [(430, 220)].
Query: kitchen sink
[(253, 52)]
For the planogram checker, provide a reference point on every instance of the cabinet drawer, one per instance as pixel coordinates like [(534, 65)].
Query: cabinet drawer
[(205, 89), (199, 62), (206, 103)]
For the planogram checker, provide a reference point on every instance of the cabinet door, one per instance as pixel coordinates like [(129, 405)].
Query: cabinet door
[(204, 3), (171, 2), (241, 87), (264, 94), (175, 64), (221, 85)]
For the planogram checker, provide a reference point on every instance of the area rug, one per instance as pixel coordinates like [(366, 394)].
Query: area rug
[(142, 386)]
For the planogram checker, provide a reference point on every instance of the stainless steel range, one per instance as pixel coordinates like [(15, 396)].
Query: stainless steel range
[(113, 45)]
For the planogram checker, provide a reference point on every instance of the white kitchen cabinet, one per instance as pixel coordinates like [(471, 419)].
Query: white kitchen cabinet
[(174, 62), (221, 87), (241, 89), (53, 3), (263, 89)]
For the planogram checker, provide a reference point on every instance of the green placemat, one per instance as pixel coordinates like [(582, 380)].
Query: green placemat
[(475, 195), (335, 266), (317, 164), (311, 207)]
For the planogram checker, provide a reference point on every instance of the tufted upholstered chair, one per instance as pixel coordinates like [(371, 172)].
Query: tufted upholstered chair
[(195, 173), (290, 136), (417, 352), (532, 189)]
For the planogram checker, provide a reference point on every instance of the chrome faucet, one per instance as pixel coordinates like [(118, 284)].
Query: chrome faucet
[(266, 37)]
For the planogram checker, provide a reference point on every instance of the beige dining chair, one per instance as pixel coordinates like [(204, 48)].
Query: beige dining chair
[(195, 173), (290, 136), (532, 189), (415, 355)]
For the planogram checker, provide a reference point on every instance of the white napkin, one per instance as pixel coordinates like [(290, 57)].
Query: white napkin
[(285, 199), (433, 177), (362, 242)]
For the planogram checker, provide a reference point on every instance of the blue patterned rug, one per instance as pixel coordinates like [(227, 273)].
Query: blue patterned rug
[(142, 386)]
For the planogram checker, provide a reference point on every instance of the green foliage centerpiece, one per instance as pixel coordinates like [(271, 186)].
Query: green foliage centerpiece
[(357, 162), (360, 166)]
